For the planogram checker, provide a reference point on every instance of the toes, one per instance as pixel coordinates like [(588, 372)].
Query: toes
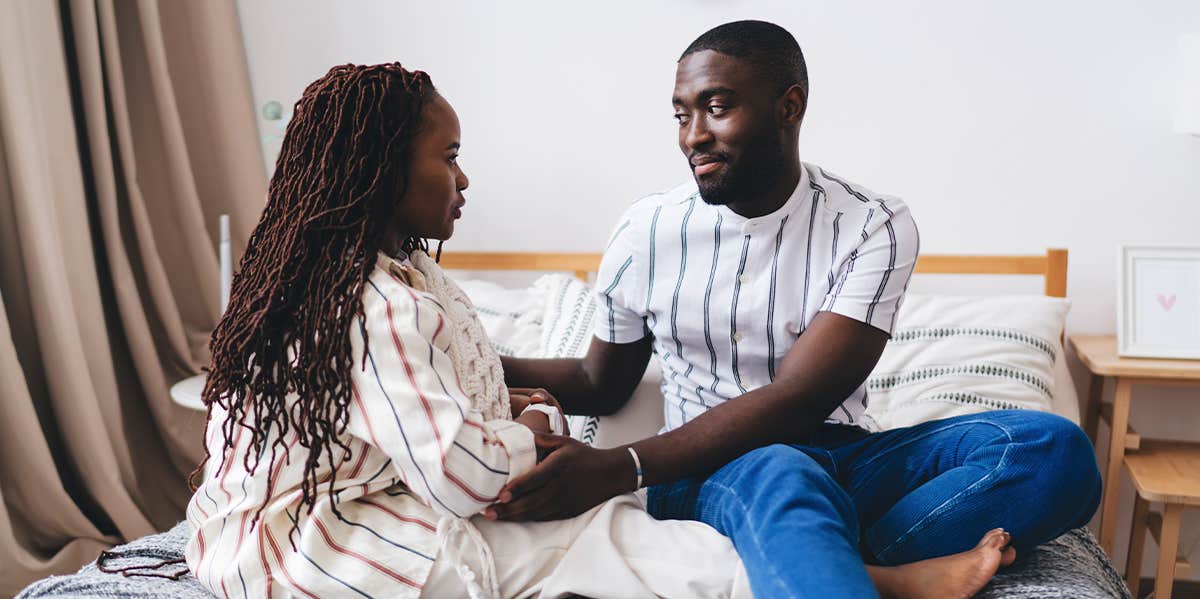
[(994, 539)]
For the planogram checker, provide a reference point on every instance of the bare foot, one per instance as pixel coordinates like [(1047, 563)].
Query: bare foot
[(957, 576)]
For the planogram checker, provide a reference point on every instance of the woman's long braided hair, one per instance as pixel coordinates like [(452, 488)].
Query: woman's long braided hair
[(341, 170)]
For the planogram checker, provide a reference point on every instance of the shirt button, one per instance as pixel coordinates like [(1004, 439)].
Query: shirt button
[(743, 279), (738, 336)]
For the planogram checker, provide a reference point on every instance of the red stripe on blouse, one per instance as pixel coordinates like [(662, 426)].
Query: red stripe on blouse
[(466, 489), (412, 378), (283, 566), (409, 519), (360, 557)]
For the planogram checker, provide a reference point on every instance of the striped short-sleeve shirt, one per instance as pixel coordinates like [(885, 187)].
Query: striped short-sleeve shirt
[(725, 296)]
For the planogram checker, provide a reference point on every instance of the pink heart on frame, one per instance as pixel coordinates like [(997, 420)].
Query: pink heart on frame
[(1166, 302)]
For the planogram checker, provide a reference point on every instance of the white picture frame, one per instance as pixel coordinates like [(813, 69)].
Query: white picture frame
[(1158, 302)]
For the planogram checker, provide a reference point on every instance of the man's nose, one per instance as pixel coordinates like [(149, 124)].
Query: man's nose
[(697, 134)]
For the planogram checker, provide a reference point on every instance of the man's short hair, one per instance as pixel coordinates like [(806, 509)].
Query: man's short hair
[(759, 42)]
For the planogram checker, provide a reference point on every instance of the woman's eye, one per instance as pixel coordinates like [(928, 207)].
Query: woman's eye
[(453, 159)]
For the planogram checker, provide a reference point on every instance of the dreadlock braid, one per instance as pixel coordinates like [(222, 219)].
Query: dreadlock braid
[(340, 172)]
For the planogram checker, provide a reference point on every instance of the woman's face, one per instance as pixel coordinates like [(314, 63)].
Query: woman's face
[(433, 199)]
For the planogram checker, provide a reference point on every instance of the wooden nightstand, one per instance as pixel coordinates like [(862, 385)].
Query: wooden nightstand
[(1099, 354)]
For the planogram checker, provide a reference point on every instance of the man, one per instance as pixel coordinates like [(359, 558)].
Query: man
[(768, 288)]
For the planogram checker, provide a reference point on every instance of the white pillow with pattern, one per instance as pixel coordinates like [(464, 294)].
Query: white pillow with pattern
[(512, 318), (955, 355), (567, 333)]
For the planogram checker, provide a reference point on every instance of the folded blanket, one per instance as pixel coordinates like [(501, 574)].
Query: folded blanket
[(146, 551)]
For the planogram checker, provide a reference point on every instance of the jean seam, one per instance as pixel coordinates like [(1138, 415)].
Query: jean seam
[(933, 431), (945, 505), (746, 513)]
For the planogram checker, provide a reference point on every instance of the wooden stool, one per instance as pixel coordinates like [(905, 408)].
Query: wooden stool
[(1167, 472)]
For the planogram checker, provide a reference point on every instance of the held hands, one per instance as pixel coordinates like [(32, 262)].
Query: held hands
[(521, 398), (569, 481)]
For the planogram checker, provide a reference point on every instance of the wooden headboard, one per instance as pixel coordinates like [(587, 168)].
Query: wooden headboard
[(1052, 265)]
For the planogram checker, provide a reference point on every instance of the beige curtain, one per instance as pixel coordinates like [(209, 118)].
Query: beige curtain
[(126, 127)]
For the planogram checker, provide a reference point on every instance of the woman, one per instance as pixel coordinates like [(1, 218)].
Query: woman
[(358, 418)]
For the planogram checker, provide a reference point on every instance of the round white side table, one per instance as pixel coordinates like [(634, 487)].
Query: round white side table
[(188, 391)]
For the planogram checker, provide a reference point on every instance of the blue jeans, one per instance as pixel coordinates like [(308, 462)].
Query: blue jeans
[(804, 517)]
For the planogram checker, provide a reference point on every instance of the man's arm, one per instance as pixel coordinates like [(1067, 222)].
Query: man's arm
[(823, 367), (827, 363), (596, 385)]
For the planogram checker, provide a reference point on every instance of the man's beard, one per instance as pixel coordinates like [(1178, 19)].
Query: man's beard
[(749, 177)]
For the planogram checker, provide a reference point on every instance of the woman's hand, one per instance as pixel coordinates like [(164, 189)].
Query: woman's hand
[(537, 422), (520, 398)]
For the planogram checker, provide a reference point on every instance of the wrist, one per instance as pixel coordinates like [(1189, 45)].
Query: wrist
[(553, 416), (622, 470), (534, 421)]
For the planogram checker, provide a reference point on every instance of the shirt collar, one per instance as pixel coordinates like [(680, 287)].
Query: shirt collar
[(800, 195)]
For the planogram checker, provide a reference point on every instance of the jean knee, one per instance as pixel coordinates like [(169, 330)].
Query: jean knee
[(768, 468), (1067, 462), (782, 477)]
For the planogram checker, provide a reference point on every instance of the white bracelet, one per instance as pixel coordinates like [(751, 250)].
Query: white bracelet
[(552, 415), (637, 463)]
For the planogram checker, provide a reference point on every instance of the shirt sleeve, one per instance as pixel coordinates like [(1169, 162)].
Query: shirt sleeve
[(620, 286), (408, 403), (873, 277)]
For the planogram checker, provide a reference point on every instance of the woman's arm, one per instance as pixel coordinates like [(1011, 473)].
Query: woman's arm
[(408, 403)]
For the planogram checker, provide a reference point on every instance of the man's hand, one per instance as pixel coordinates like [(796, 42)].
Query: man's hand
[(572, 479)]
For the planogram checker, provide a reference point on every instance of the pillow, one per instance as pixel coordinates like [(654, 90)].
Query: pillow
[(567, 332), (512, 318), (553, 319), (955, 355)]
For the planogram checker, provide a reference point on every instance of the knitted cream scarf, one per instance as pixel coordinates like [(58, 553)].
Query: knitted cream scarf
[(476, 363)]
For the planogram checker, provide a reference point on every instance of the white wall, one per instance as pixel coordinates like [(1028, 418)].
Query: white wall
[(1008, 127)]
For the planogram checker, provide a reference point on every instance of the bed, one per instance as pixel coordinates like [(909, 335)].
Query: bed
[(551, 317)]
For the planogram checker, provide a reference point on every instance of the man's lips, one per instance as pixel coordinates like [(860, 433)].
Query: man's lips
[(705, 168), (703, 165)]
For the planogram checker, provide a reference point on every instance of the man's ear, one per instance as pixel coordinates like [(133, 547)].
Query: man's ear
[(792, 105)]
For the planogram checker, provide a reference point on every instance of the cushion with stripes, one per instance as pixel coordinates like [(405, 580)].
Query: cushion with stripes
[(512, 318), (567, 325), (956, 355)]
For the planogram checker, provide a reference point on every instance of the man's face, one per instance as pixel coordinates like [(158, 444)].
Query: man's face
[(729, 127)]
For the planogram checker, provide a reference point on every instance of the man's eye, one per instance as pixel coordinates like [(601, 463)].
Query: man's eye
[(682, 118), (716, 109), (453, 159)]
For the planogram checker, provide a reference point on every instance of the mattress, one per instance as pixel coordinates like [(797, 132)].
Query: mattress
[(1072, 565)]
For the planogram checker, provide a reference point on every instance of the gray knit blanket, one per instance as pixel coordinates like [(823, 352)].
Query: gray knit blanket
[(1070, 566)]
